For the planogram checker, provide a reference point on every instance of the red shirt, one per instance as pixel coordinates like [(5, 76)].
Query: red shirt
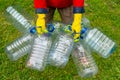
[(58, 3)]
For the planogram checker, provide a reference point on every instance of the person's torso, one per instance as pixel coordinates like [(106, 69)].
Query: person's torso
[(59, 3)]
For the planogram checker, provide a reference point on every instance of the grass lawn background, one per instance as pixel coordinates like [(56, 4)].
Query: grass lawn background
[(105, 14)]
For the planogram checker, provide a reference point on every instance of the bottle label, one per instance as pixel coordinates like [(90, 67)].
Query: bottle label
[(35, 63), (82, 56)]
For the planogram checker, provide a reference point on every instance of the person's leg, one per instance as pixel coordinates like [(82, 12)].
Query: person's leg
[(50, 14), (66, 14)]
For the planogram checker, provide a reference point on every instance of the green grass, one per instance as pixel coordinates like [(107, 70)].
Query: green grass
[(103, 14)]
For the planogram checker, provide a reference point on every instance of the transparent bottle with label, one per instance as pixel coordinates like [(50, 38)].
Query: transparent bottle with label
[(39, 52), (61, 50), (84, 61), (19, 47), (99, 42), (19, 20)]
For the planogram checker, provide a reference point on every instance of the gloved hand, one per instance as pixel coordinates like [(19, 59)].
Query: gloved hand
[(76, 26), (40, 24)]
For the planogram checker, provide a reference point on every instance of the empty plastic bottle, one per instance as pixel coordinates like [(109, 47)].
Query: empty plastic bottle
[(99, 42), (19, 47), (20, 22), (61, 49), (84, 62), (39, 52)]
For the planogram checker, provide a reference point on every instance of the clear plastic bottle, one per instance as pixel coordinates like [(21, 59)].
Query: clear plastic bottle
[(39, 52), (99, 42), (16, 18), (19, 47), (84, 62), (61, 49)]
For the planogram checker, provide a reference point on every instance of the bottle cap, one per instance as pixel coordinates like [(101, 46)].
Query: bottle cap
[(83, 31), (33, 30), (50, 27)]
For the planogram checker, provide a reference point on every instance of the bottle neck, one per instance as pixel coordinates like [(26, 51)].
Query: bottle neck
[(83, 32)]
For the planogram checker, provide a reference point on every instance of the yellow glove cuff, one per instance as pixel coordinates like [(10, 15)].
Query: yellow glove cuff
[(41, 15)]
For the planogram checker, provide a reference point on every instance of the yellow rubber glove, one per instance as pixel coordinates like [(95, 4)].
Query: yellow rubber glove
[(76, 26), (40, 24)]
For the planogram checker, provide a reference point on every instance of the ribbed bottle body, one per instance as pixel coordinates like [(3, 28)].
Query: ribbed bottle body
[(39, 52), (100, 43), (61, 50), (19, 47), (17, 19)]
